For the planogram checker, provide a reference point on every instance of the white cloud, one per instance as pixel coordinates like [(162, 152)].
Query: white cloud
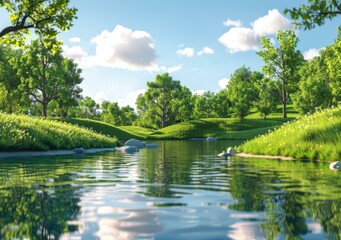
[(205, 50), (76, 53), (240, 39), (232, 23), (172, 69), (199, 92), (130, 98), (126, 49), (100, 97), (311, 53), (223, 83), (271, 23), (188, 52), (75, 40)]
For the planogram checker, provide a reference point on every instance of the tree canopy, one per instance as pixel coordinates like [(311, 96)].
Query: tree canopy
[(46, 17), (316, 12)]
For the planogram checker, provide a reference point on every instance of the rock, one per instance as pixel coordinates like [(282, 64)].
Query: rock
[(135, 143), (127, 149), (79, 151), (231, 151), (335, 165), (211, 139), (225, 154), (152, 145)]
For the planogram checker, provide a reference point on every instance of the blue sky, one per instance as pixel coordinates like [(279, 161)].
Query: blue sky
[(121, 45)]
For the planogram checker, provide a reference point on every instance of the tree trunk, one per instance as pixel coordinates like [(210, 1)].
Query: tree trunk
[(284, 101), (44, 109)]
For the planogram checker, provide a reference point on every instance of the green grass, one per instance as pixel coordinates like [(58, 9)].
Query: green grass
[(316, 136), (102, 128), (20, 132)]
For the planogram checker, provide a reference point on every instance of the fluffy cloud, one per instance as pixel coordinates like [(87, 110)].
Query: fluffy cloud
[(311, 53), (205, 50), (238, 39), (271, 23), (75, 40), (173, 69), (223, 83), (130, 98), (126, 49), (232, 23), (76, 53), (188, 52), (100, 97)]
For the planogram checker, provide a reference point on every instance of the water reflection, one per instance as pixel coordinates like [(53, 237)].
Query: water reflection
[(180, 191)]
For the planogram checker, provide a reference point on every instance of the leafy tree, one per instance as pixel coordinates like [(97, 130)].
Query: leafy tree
[(46, 17), (88, 108), (204, 105), (241, 92), (315, 13), (265, 100), (46, 75), (314, 91), (222, 103), (331, 56), (11, 98), (182, 105), (113, 114), (282, 63), (154, 107)]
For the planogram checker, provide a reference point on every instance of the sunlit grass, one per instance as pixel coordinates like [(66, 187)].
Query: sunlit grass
[(316, 136), (20, 132)]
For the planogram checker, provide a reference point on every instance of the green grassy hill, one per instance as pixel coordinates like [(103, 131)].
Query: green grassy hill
[(20, 132), (316, 136)]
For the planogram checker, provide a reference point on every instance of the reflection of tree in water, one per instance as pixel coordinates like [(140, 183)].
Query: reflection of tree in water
[(39, 213), (164, 167), (328, 213)]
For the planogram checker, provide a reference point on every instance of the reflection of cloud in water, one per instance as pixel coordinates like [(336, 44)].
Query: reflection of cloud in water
[(245, 231), (117, 224)]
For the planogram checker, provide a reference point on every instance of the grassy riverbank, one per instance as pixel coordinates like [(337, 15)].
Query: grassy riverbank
[(32, 133), (316, 136)]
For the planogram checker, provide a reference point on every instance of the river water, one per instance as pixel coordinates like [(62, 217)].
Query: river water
[(181, 190)]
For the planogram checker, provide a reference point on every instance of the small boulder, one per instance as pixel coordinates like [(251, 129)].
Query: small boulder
[(135, 143), (335, 165), (211, 139), (231, 151), (79, 151)]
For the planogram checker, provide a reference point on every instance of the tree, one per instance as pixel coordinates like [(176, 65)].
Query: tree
[(314, 91), (222, 104), (88, 108), (182, 105), (265, 100), (154, 107), (282, 63), (241, 92), (315, 13), (46, 17), (11, 98), (46, 75), (204, 105)]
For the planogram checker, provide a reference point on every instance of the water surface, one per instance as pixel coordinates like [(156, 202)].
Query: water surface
[(181, 190)]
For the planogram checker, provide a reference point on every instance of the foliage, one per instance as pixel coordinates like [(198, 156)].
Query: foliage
[(265, 100), (316, 136), (314, 91), (46, 17), (155, 105), (315, 13), (204, 105), (113, 114), (46, 75), (282, 63), (241, 92), (20, 132)]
